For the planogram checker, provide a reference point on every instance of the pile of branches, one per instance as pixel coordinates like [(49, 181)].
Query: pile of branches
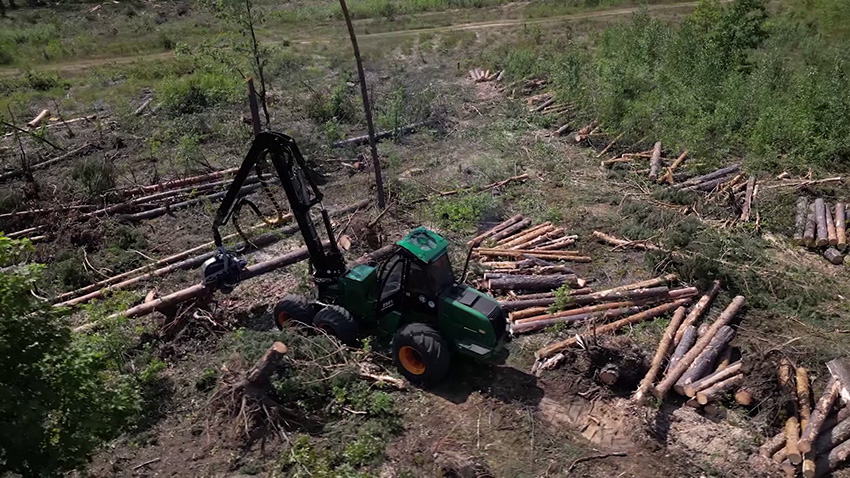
[(822, 228)]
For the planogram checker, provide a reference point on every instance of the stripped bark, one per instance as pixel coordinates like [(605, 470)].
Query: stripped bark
[(655, 162), (820, 219), (38, 119), (500, 227), (818, 416), (660, 354), (792, 438)]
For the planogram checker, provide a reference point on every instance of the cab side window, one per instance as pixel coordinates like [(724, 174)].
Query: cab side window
[(391, 277), (418, 282)]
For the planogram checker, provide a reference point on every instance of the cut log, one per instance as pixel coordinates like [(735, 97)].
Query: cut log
[(668, 176), (610, 145), (609, 374), (714, 392), (748, 198), (624, 243), (804, 397), (698, 309), (833, 256), (557, 244), (530, 282), (693, 388), (784, 374), (840, 226), (660, 354), (720, 173), (818, 416), (565, 129), (526, 313), (809, 234), (507, 264), (177, 183), (831, 438), (534, 242), (708, 186), (655, 162), (840, 371), (744, 396), (534, 323), (792, 437), (604, 296), (676, 372), (361, 140), (506, 242), (524, 240), (538, 270), (143, 106), (38, 119), (822, 236), (725, 359), (689, 338), (652, 313), (772, 445), (500, 227), (656, 281), (160, 211), (511, 230), (704, 362), (800, 220), (831, 234), (809, 466), (566, 256), (831, 461)]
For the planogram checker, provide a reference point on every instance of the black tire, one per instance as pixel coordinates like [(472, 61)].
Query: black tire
[(292, 310), (338, 322), (421, 354)]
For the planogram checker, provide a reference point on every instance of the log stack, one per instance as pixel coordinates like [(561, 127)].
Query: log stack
[(821, 228), (814, 440), (481, 76)]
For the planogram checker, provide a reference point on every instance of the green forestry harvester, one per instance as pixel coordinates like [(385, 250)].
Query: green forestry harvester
[(412, 295)]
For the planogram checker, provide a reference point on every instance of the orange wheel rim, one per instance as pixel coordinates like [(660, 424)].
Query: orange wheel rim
[(411, 360)]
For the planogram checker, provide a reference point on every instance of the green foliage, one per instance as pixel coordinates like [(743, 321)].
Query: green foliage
[(60, 395), (460, 213), (195, 93), (44, 81), (335, 106), (95, 175)]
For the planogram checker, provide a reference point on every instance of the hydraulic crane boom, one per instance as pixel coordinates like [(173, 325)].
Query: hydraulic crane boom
[(302, 194)]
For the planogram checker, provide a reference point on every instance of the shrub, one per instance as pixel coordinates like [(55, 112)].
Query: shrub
[(96, 176), (194, 93), (460, 213), (74, 396), (42, 81)]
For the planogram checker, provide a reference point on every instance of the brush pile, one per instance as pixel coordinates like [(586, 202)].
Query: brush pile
[(813, 441), (822, 228)]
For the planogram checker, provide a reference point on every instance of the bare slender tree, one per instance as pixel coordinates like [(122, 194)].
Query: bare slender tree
[(379, 181)]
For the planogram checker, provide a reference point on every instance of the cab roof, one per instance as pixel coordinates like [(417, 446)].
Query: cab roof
[(424, 244)]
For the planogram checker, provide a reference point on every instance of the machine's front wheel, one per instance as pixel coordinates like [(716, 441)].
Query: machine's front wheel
[(291, 311), (338, 322), (421, 354)]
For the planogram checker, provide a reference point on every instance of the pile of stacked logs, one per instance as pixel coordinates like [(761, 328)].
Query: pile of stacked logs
[(820, 227), (545, 103), (699, 358), (479, 76), (516, 239), (814, 441)]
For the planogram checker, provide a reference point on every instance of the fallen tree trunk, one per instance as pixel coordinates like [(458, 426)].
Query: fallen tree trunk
[(537, 270), (506, 242), (720, 173), (676, 372), (811, 227), (177, 183), (820, 220), (833, 256), (624, 243), (804, 396), (818, 415), (531, 236), (698, 309), (713, 392), (38, 119), (660, 354), (143, 106), (361, 140), (694, 387), (534, 323), (829, 462), (705, 360), (500, 227), (652, 313), (568, 256), (152, 213), (748, 198), (534, 242), (511, 230), (839, 369), (708, 186), (556, 244), (800, 221), (515, 265), (840, 226), (689, 338), (772, 445), (655, 281), (655, 162), (529, 282)]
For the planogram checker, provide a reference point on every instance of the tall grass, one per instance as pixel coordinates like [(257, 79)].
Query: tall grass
[(729, 80)]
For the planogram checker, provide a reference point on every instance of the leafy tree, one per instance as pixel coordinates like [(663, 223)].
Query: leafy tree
[(60, 396)]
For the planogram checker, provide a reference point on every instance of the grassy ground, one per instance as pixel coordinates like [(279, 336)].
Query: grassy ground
[(493, 419)]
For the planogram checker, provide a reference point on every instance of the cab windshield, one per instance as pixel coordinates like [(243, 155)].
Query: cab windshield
[(440, 272)]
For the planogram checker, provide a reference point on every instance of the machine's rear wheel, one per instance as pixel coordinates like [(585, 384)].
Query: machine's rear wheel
[(421, 354), (338, 322), (291, 311)]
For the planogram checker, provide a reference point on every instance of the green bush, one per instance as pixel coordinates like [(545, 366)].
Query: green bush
[(194, 93), (461, 213), (61, 396), (96, 176), (43, 81), (338, 105)]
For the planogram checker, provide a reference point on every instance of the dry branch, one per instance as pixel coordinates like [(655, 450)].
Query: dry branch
[(610, 145), (668, 176)]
